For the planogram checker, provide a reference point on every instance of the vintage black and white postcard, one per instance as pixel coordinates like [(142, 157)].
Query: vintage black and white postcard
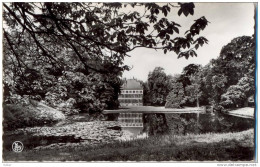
[(129, 82)]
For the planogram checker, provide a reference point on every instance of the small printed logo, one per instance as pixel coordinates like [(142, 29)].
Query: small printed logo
[(17, 146)]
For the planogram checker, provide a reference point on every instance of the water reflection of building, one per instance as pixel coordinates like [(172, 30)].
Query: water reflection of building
[(131, 93), (131, 119)]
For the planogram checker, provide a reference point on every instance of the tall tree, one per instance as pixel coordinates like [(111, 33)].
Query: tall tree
[(175, 98), (193, 92), (191, 81), (237, 95), (189, 70), (236, 61), (159, 86), (45, 41)]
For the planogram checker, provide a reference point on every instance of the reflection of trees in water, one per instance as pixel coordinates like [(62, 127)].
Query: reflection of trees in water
[(162, 123), (218, 123), (194, 123), (180, 125), (155, 124)]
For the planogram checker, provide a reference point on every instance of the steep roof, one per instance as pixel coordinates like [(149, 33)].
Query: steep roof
[(132, 84)]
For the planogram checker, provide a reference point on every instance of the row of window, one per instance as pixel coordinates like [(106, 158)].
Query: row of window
[(132, 125), (130, 115), (131, 96), (131, 91), (131, 120), (130, 100)]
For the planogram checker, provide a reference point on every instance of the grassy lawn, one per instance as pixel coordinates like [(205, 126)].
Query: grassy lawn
[(237, 146), (246, 111)]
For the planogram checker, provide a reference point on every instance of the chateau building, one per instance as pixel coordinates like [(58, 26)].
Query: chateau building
[(131, 93)]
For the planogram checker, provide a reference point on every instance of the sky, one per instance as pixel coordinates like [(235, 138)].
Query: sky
[(227, 21)]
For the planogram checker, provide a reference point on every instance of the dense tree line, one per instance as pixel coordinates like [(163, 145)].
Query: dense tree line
[(70, 55), (225, 82)]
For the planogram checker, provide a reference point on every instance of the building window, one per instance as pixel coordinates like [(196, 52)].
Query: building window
[(130, 91), (133, 91), (126, 91)]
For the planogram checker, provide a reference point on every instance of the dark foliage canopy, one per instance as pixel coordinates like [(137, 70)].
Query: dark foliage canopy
[(75, 51), (99, 32)]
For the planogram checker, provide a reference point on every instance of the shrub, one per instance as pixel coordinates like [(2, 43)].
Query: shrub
[(23, 115)]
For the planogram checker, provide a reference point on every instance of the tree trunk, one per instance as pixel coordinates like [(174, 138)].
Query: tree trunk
[(198, 115), (198, 104)]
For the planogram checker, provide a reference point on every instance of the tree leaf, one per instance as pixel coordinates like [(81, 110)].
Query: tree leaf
[(175, 29), (180, 11), (134, 41), (196, 46)]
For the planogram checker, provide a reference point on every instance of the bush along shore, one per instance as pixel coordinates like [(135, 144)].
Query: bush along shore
[(29, 114)]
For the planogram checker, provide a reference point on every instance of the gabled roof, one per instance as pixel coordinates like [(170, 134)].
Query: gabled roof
[(132, 84)]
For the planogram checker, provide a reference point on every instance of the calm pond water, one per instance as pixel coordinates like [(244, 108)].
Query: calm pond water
[(183, 123), (143, 125)]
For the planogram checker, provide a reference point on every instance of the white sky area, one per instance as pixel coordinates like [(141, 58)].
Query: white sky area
[(227, 21)]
